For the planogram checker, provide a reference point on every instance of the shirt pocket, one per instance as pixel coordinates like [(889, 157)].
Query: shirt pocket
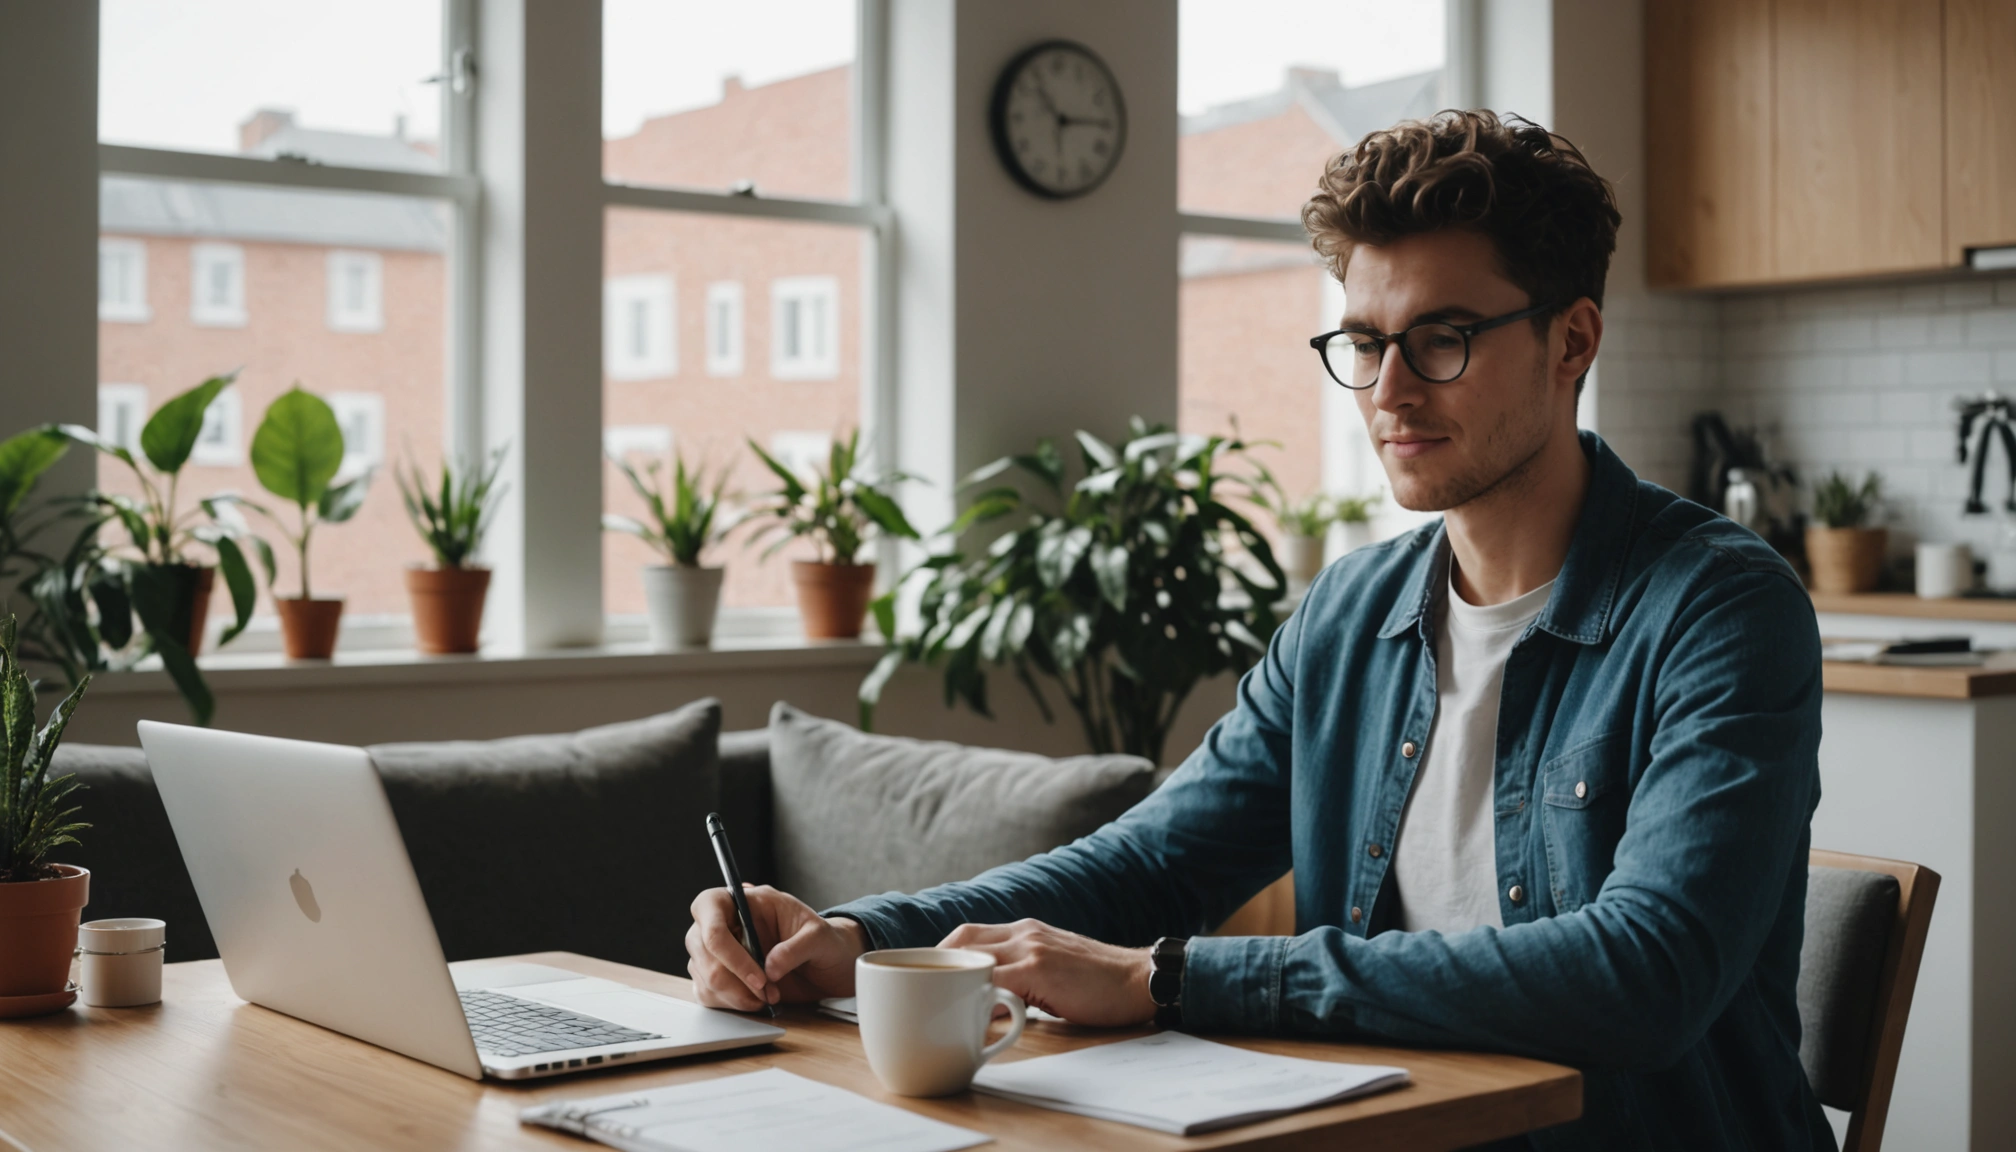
[(1584, 794)]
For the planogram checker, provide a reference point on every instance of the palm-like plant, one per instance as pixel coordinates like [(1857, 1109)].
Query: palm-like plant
[(33, 820), (1145, 581), (837, 509), (453, 516), (684, 521)]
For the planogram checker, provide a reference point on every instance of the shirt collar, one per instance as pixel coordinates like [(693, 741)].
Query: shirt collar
[(1586, 589)]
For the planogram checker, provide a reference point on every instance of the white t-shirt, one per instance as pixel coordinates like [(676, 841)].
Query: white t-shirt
[(1445, 864)]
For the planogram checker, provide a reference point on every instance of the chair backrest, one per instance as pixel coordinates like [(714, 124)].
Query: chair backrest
[(1866, 919)]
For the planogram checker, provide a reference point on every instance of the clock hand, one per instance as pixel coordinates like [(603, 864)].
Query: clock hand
[(1067, 121)]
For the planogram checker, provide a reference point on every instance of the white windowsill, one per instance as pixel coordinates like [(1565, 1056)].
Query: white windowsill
[(746, 640)]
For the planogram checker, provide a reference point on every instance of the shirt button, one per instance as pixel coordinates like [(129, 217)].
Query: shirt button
[(1374, 850), (1407, 750), (1581, 789), (1357, 914), (1516, 894)]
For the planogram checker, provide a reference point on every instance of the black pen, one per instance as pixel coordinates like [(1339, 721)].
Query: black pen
[(718, 833)]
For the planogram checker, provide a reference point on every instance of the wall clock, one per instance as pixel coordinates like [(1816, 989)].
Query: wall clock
[(1058, 119)]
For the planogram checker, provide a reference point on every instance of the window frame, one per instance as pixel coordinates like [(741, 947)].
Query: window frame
[(787, 363), (133, 310), (228, 412), (368, 317), (119, 393), (204, 258), (729, 361), (372, 406), (658, 294)]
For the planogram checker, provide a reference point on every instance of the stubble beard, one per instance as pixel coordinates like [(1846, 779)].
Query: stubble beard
[(1508, 455)]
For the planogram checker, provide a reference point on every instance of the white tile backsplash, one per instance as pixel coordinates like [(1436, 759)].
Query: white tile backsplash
[(1839, 378)]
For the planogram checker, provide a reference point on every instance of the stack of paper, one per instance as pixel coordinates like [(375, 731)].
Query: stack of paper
[(1176, 1083), (757, 1110)]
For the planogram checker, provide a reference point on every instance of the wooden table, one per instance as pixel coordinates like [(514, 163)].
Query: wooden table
[(205, 1070)]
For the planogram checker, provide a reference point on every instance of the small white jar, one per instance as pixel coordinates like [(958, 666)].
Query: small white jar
[(121, 962)]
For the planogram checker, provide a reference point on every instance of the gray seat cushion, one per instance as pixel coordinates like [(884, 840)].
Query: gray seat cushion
[(857, 814), (1849, 916), (594, 842), (136, 866)]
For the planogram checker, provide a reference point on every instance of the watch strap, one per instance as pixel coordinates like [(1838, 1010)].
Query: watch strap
[(1165, 979)]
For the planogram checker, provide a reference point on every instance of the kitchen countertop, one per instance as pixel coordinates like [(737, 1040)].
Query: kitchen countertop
[(1995, 678), (1906, 604)]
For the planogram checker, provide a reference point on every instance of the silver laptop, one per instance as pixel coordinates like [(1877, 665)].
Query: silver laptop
[(313, 902)]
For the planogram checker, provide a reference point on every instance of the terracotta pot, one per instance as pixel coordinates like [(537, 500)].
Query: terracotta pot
[(833, 598), (1845, 559), (308, 627), (38, 932), (447, 607), (682, 603)]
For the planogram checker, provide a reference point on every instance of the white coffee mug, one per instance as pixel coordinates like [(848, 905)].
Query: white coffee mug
[(121, 961), (924, 1015), (1944, 570)]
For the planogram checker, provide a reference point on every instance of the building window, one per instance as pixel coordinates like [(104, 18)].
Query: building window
[(356, 292), (122, 280), (804, 328), (724, 329), (361, 415), (626, 440), (217, 285), (122, 412), (220, 443), (637, 318), (802, 452)]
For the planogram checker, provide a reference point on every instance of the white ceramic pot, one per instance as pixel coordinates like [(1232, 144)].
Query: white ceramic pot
[(1356, 534), (1301, 558), (682, 603)]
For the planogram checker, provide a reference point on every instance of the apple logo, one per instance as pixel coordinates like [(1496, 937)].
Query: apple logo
[(305, 896)]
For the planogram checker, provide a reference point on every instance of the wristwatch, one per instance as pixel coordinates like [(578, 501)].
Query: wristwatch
[(1165, 979)]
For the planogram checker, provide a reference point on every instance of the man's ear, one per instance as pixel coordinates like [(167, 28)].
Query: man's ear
[(1581, 328)]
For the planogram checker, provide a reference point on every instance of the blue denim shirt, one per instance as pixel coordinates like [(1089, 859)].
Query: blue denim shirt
[(1656, 775)]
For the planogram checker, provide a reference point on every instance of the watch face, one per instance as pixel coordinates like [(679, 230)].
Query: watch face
[(1058, 119)]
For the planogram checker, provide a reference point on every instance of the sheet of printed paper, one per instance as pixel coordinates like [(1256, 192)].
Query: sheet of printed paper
[(1177, 1083), (753, 1111)]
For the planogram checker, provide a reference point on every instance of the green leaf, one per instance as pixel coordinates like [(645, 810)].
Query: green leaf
[(237, 577), (298, 448), (77, 433), (170, 434), (23, 459), (341, 502), (884, 512), (1097, 451), (1109, 565), (883, 608), (870, 693), (161, 598), (794, 489)]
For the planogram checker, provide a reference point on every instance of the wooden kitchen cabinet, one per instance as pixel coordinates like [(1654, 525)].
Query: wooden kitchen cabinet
[(1803, 140), (1859, 180), (1708, 91), (1980, 125)]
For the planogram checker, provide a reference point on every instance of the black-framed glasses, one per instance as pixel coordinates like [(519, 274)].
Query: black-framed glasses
[(1437, 351)]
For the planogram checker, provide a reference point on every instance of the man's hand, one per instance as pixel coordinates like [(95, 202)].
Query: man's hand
[(1074, 976), (810, 958)]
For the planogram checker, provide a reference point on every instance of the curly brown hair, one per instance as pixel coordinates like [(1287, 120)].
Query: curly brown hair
[(1551, 217)]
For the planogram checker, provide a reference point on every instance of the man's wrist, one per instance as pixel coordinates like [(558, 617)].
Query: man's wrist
[(854, 932)]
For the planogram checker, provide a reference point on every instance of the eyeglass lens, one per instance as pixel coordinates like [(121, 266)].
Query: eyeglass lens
[(1436, 352)]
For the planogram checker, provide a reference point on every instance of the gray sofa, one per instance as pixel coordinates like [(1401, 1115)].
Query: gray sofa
[(593, 841)]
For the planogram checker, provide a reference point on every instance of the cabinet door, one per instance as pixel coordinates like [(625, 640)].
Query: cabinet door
[(1980, 125), (1708, 142), (1860, 170)]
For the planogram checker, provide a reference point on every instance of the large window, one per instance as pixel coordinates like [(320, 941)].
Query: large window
[(1269, 91), (738, 254), (210, 265)]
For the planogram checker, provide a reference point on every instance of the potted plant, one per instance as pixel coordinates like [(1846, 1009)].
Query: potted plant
[(1305, 529), (1842, 551), (39, 901), (296, 454), (162, 580), (452, 518), (1139, 581), (1354, 513), (836, 512), (681, 595)]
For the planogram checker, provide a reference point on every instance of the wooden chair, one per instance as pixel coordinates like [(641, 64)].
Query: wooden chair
[(1853, 1062)]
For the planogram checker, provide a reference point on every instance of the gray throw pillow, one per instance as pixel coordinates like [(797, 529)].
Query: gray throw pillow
[(592, 842), (858, 814), (1849, 915)]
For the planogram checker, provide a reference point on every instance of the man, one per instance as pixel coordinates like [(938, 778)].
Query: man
[(1544, 770)]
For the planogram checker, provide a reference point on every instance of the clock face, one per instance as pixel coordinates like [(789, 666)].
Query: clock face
[(1059, 123)]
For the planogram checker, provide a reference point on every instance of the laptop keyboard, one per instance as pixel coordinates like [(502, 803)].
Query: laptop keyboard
[(507, 1026)]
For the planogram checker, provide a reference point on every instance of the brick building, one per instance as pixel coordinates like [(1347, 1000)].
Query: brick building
[(716, 328)]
